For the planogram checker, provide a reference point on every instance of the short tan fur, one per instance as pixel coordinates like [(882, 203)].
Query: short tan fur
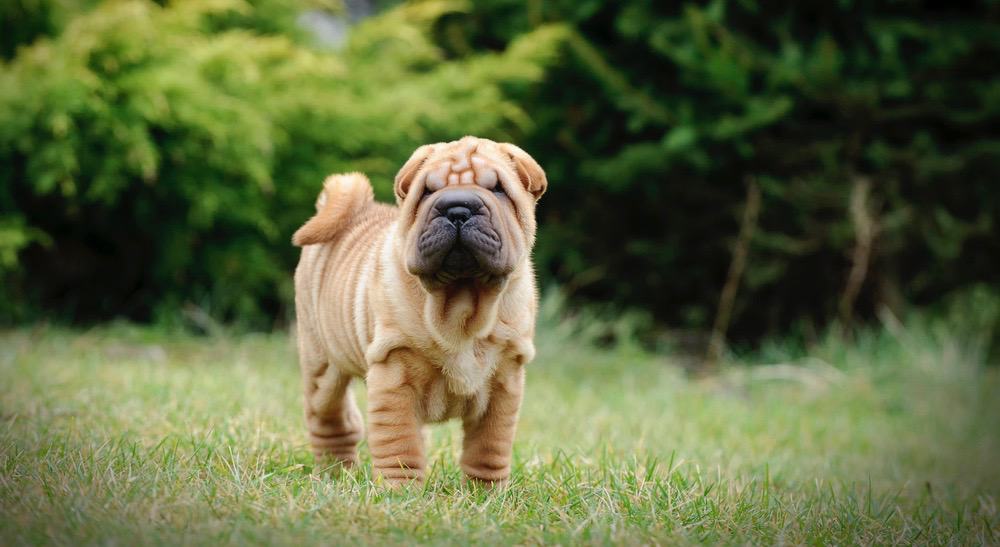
[(428, 351)]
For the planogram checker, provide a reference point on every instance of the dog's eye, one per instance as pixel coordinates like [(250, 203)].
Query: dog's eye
[(427, 192), (498, 189)]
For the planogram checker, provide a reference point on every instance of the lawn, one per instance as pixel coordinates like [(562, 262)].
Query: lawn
[(131, 435)]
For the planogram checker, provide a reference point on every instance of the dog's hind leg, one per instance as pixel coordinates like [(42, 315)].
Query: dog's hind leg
[(332, 417)]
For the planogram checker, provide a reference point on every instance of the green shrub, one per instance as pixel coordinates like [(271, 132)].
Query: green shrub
[(166, 154), (661, 113), (159, 156)]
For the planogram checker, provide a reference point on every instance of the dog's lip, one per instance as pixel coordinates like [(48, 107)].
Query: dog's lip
[(459, 256), (441, 237), (441, 276), (444, 280), (459, 262)]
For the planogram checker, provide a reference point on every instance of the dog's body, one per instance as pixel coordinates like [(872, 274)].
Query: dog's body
[(432, 302)]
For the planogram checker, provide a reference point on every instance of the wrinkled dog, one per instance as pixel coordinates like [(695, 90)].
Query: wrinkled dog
[(433, 302)]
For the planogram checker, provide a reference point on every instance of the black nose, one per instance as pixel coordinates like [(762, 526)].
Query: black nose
[(458, 214), (458, 205)]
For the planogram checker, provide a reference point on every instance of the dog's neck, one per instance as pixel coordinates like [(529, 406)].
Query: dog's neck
[(457, 316), (460, 321)]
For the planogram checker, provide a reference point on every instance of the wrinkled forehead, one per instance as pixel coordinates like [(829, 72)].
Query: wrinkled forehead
[(467, 161)]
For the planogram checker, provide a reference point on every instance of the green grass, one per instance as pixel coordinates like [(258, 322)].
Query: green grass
[(129, 435)]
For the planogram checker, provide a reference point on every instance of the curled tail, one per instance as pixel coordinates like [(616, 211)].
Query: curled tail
[(342, 196)]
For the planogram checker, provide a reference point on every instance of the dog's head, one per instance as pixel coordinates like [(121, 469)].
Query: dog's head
[(467, 211)]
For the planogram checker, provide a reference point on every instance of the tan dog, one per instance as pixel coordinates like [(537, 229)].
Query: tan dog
[(433, 302)]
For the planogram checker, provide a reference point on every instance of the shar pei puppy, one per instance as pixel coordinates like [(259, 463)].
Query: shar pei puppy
[(432, 302)]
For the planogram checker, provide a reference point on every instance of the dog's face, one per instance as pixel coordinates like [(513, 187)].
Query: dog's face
[(467, 211)]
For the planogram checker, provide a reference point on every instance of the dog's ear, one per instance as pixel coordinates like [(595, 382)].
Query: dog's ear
[(409, 170), (531, 174)]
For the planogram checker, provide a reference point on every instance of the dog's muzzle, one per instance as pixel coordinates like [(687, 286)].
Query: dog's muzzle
[(458, 241)]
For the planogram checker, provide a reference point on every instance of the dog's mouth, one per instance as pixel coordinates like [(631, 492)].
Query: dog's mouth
[(450, 253), (459, 263)]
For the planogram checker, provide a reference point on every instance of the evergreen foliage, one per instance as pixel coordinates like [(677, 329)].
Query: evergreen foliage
[(662, 113)]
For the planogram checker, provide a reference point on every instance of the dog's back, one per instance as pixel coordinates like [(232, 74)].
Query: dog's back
[(339, 248)]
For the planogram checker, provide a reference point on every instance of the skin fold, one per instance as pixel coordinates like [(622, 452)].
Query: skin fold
[(432, 302)]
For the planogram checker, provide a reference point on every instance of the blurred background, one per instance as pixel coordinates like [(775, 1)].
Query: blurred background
[(717, 170)]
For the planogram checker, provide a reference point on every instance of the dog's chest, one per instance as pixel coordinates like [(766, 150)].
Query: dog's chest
[(463, 384)]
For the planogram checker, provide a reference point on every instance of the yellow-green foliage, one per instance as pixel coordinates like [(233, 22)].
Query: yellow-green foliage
[(167, 153)]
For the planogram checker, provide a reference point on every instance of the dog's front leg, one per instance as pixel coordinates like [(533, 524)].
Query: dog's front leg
[(394, 424), (489, 439)]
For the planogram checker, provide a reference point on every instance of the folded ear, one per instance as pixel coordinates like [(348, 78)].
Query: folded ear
[(531, 174), (409, 170)]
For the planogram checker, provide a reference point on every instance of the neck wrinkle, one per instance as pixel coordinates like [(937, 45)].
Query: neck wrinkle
[(454, 318)]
